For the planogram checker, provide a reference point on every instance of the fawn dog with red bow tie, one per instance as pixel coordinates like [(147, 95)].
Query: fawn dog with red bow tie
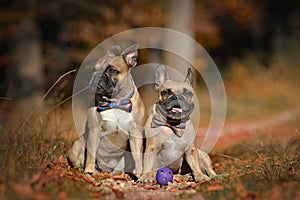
[(115, 118), (170, 135)]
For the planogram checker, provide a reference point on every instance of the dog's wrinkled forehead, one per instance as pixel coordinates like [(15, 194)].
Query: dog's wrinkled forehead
[(176, 87), (117, 62)]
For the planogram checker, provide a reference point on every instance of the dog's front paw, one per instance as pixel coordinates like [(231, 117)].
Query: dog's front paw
[(90, 169), (182, 178), (200, 177), (211, 173), (138, 175), (146, 178)]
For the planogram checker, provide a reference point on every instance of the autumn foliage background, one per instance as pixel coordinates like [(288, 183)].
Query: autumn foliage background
[(255, 45)]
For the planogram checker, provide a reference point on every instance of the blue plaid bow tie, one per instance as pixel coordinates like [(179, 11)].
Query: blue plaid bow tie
[(123, 104), (159, 120)]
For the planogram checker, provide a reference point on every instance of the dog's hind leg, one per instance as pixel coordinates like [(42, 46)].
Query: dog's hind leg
[(75, 154), (205, 164)]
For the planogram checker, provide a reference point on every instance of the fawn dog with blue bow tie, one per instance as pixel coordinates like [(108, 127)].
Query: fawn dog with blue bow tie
[(170, 135), (115, 118)]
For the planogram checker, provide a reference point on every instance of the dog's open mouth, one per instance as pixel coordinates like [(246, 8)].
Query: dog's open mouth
[(176, 109)]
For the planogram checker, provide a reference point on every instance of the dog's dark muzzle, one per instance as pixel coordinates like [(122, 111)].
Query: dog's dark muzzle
[(101, 83), (174, 101), (176, 107), (176, 97)]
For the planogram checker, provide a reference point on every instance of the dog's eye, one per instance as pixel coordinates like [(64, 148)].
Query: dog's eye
[(187, 93), (166, 92), (111, 70)]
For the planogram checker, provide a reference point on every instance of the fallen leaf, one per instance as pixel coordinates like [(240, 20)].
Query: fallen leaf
[(96, 195), (119, 177), (35, 178), (151, 187), (119, 194), (214, 188), (2, 189), (70, 173), (62, 195), (241, 190), (25, 191), (88, 179), (42, 182), (172, 190), (292, 171), (61, 174), (198, 197), (62, 159)]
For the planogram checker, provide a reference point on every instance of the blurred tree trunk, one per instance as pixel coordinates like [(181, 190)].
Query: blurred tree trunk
[(26, 73), (179, 18)]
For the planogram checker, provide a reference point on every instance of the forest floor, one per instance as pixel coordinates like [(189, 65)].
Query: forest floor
[(254, 160)]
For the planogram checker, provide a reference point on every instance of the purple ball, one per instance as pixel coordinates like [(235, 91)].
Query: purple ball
[(164, 175)]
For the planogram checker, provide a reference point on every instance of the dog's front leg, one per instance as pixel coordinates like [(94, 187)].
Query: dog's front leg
[(192, 158), (92, 139), (136, 147), (149, 160)]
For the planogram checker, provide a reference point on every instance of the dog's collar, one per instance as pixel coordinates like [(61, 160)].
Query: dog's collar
[(123, 104), (159, 120)]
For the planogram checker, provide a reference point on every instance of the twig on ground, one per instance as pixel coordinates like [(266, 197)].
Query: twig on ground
[(252, 149), (226, 156)]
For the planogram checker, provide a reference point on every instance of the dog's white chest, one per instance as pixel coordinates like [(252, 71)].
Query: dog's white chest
[(120, 117)]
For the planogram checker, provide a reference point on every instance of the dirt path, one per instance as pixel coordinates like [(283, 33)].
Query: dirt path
[(276, 126), (275, 120)]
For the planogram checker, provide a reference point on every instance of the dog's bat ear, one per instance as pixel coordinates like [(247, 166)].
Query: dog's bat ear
[(114, 51), (161, 76), (130, 55), (189, 77)]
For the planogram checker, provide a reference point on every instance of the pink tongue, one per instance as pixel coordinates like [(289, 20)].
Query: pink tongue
[(177, 110)]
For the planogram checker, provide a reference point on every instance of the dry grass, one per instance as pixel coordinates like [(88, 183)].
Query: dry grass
[(254, 91), (38, 144), (264, 170)]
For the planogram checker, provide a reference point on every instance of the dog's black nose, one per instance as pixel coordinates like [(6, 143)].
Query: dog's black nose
[(101, 76), (177, 97)]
